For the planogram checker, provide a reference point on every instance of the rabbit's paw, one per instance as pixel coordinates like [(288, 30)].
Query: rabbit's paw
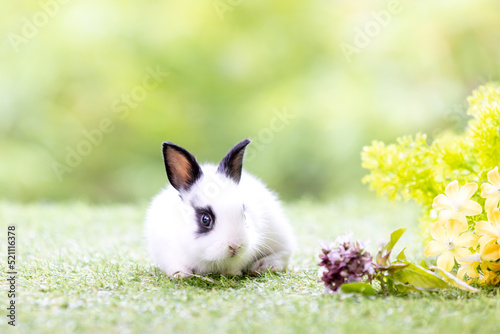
[(271, 262)]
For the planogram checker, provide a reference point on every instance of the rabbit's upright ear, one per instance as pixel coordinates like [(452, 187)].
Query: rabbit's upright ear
[(233, 161), (182, 168)]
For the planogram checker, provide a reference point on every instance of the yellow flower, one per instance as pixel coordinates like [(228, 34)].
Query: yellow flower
[(493, 278), (451, 241), (489, 233), (491, 273), (491, 191), (456, 204), (468, 265)]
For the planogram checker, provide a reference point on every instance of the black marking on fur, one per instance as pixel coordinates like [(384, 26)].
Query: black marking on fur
[(199, 212), (232, 163), (190, 173)]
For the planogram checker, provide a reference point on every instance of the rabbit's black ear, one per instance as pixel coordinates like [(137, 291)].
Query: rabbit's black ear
[(233, 161), (182, 168)]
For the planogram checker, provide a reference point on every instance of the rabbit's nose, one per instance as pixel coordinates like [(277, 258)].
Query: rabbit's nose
[(233, 248)]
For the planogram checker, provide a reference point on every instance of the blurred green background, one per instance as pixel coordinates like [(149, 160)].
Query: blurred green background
[(311, 82)]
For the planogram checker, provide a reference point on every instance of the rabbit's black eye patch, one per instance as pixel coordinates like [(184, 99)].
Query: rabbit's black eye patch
[(205, 218)]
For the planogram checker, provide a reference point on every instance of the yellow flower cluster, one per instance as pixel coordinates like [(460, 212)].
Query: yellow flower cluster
[(477, 251)]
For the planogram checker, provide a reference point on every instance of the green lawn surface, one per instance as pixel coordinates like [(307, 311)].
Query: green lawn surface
[(84, 269)]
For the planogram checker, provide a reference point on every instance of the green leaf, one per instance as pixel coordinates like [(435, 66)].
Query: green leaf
[(382, 256), (420, 278), (404, 288), (394, 239), (385, 251), (424, 265), (395, 267), (359, 287), (455, 281), (401, 256)]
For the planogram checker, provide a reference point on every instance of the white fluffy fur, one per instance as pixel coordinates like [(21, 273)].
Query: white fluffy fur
[(262, 230)]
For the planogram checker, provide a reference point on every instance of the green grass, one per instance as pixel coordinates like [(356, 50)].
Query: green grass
[(85, 269)]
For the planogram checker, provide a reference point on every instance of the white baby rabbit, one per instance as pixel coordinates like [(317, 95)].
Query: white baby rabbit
[(216, 219)]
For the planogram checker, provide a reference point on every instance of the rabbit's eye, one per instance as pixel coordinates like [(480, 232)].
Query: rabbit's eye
[(206, 221)]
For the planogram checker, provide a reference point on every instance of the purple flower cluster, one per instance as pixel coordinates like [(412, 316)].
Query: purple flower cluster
[(345, 261)]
